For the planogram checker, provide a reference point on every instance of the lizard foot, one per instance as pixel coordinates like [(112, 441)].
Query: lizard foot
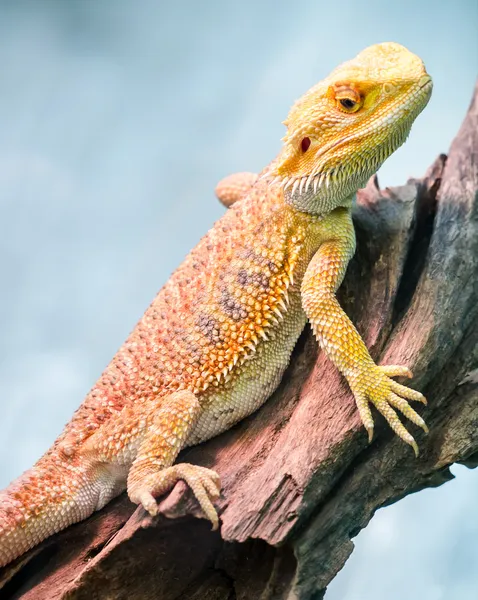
[(373, 385), (204, 483)]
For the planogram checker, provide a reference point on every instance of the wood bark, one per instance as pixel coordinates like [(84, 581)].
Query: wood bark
[(299, 478)]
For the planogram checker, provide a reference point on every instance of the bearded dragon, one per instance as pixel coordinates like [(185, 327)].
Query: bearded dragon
[(213, 345)]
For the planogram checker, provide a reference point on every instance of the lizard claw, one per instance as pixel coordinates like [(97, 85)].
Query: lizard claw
[(374, 385), (395, 371)]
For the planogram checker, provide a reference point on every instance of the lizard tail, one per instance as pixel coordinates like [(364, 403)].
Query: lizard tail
[(44, 500)]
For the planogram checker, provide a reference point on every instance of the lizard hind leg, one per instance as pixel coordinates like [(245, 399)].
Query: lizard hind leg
[(153, 473)]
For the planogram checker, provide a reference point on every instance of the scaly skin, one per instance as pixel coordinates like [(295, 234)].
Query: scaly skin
[(216, 340)]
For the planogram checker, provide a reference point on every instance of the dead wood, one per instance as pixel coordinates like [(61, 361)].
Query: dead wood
[(300, 479)]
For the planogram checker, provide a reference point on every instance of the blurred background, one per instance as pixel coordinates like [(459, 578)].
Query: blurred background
[(117, 118)]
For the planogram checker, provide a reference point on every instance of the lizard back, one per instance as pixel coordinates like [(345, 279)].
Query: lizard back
[(233, 295)]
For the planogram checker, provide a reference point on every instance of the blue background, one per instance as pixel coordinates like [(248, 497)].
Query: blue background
[(117, 118)]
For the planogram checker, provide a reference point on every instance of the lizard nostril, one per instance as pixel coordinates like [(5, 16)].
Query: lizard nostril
[(305, 143)]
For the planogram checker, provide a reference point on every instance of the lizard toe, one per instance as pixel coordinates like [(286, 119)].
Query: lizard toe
[(204, 483)]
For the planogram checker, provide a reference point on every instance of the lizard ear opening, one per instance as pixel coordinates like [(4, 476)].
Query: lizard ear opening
[(305, 143)]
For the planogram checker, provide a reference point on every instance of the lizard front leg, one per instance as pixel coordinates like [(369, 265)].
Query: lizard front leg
[(234, 187), (342, 343)]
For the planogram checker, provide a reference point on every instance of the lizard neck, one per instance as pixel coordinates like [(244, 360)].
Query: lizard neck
[(324, 192), (318, 204)]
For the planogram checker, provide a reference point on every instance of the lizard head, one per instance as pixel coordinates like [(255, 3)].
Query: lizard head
[(342, 130)]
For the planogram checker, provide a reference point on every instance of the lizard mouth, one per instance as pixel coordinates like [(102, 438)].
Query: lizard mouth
[(426, 82)]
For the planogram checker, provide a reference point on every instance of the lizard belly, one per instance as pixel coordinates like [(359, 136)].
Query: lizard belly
[(255, 380)]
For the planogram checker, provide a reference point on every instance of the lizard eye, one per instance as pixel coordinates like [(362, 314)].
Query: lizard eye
[(347, 98), (348, 103), (305, 143)]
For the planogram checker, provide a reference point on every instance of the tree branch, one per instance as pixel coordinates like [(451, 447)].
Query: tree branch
[(299, 478)]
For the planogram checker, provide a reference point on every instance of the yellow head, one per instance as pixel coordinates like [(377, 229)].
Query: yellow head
[(343, 129)]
